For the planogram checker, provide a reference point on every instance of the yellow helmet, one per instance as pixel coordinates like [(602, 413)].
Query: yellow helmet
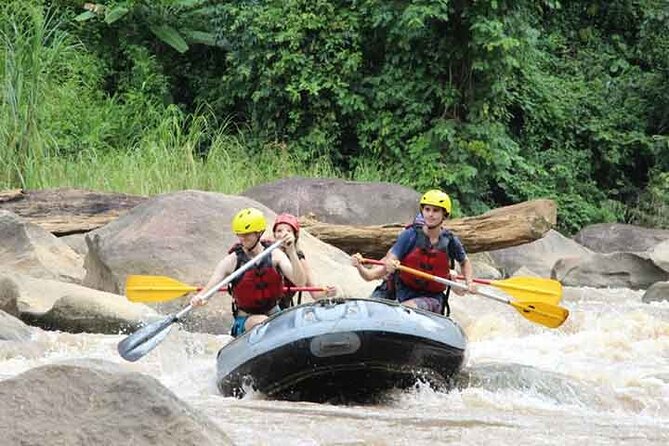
[(436, 198), (248, 220)]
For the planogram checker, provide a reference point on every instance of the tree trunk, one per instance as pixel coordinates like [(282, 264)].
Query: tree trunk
[(500, 228), (70, 211), (67, 211)]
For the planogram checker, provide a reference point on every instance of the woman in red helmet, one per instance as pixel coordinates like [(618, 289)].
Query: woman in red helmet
[(427, 247), (257, 292), (288, 223)]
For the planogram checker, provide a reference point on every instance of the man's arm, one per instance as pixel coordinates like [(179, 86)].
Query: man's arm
[(391, 259), (468, 272), (372, 272), (224, 268), (457, 251)]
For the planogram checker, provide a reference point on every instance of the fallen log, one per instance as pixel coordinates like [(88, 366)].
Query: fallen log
[(70, 211), (499, 228), (67, 211)]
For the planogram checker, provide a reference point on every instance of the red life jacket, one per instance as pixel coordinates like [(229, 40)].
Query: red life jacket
[(259, 288), (430, 259)]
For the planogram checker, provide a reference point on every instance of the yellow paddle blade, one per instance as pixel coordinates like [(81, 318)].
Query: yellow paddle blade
[(154, 288), (542, 313), (526, 289)]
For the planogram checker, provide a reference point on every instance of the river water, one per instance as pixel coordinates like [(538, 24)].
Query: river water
[(601, 378)]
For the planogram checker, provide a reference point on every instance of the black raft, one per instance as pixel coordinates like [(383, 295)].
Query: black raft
[(342, 349)]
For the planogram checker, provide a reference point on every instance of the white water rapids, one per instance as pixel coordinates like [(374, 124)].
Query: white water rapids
[(601, 379)]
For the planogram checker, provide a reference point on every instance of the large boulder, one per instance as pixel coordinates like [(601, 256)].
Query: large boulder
[(28, 249), (538, 256), (616, 270), (9, 293), (77, 242), (617, 237), (73, 308), (484, 266), (13, 329), (658, 292), (338, 201), (660, 255), (17, 340), (98, 403), (184, 235)]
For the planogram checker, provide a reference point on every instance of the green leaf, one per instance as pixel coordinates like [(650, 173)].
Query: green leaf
[(114, 14), (86, 15), (171, 37), (201, 37)]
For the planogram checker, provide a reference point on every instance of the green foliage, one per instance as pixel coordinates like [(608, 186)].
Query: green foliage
[(164, 159), (496, 101)]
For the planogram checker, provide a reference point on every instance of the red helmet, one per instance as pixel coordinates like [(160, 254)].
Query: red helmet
[(290, 220)]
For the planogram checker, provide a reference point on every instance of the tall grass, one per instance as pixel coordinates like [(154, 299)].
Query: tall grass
[(168, 158), (59, 128), (32, 52)]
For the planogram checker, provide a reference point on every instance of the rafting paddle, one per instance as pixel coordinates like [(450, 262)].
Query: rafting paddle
[(140, 288), (527, 288), (148, 337), (543, 313), (523, 289)]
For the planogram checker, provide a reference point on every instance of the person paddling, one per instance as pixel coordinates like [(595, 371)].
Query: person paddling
[(256, 293), (427, 247), (289, 223)]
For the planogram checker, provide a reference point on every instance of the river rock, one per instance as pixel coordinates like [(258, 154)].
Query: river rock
[(658, 292), (69, 307), (660, 255), (538, 256), (524, 271), (484, 270), (338, 201), (182, 235), (618, 237), (617, 270), (9, 294), (13, 329), (77, 242), (98, 404), (28, 249)]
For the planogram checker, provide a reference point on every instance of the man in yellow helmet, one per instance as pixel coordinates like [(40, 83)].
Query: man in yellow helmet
[(427, 247), (256, 293)]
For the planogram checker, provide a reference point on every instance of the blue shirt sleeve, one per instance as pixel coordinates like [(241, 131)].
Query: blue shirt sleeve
[(403, 243), (456, 250)]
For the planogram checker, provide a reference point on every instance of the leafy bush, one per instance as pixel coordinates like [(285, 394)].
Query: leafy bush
[(495, 101)]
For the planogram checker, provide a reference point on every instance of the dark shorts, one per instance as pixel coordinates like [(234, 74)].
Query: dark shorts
[(427, 303)]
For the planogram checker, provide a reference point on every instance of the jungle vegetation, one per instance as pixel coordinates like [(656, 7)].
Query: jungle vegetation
[(495, 101)]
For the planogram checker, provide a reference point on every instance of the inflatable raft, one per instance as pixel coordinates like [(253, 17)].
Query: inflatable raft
[(349, 349)]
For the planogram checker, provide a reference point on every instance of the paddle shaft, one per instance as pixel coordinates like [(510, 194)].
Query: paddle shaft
[(379, 262), (540, 312), (450, 283), (224, 282), (286, 289), (441, 280)]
